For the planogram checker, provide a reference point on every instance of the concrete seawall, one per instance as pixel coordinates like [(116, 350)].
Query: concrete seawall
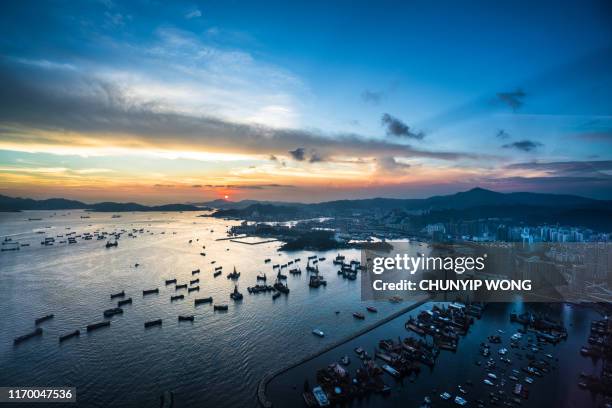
[(263, 383)]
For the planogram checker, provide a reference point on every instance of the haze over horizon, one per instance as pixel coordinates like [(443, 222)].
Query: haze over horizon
[(191, 101)]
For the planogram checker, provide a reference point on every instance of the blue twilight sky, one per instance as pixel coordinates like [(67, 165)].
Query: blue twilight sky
[(278, 99)]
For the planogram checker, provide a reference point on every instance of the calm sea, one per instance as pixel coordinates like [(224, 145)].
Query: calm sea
[(215, 361)]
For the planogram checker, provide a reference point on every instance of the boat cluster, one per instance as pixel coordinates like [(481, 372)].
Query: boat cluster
[(398, 359), (599, 347)]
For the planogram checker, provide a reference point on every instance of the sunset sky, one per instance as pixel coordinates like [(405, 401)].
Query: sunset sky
[(161, 102)]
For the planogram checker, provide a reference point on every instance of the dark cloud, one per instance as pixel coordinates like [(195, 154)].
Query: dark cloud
[(591, 168), (523, 145), (502, 134), (273, 158), (514, 99), (163, 185), (298, 154), (64, 107), (395, 127), (196, 186), (315, 158), (250, 186), (372, 97)]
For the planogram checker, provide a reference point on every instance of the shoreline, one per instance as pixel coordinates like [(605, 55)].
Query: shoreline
[(262, 398)]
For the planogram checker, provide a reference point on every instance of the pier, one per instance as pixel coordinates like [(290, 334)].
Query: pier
[(263, 383)]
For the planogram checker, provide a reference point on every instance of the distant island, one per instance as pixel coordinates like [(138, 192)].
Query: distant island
[(10, 204)]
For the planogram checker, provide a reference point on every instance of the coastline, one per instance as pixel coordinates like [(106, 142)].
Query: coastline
[(262, 398)]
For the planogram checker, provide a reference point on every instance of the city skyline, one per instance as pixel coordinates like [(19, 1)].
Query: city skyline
[(191, 101)]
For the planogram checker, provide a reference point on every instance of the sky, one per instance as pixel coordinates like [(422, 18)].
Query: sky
[(161, 102)]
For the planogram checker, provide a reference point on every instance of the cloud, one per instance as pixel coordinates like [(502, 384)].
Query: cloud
[(523, 145), (514, 99), (315, 158), (46, 109), (249, 186), (591, 168), (502, 134), (196, 186), (372, 97), (396, 127), (193, 14), (389, 164), (297, 154)]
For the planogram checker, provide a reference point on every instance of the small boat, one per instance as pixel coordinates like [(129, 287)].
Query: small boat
[(116, 295), (193, 289), (185, 318), (152, 323), (235, 295), (359, 316), (149, 292), (345, 360), (318, 332), (203, 300), (179, 287), (127, 301), (191, 282), (21, 339), (217, 273), (43, 319), (261, 277), (112, 312), (112, 244), (267, 260), (220, 307), (445, 396), (99, 325), (177, 297), (320, 396), (218, 268), (195, 272), (392, 371), (70, 335), (488, 382), (372, 309), (170, 281), (203, 253), (460, 400)]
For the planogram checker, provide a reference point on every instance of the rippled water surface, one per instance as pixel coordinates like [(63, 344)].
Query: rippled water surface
[(215, 361)]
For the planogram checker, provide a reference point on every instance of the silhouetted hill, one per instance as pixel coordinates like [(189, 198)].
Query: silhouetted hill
[(20, 204)]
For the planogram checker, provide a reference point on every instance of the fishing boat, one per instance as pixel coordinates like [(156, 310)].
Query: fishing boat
[(359, 316), (112, 312), (177, 297), (345, 360), (179, 287), (261, 277), (21, 339), (95, 326), (220, 307), (124, 302), (110, 244), (189, 318), (267, 260), (195, 272), (279, 275), (151, 323), (116, 295), (217, 273), (202, 300), (67, 336), (372, 309), (233, 275), (318, 332), (149, 292), (170, 281), (193, 289), (295, 271), (43, 319), (203, 253), (281, 287), (235, 295)]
